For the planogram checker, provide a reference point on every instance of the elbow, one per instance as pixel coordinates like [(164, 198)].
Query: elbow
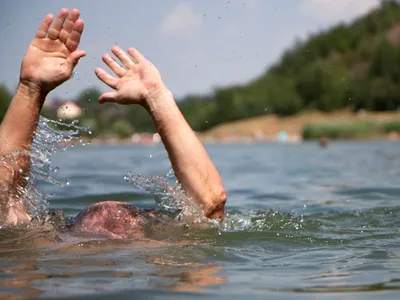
[(221, 196), (218, 198)]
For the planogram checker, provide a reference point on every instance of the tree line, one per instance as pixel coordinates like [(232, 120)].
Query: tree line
[(353, 65)]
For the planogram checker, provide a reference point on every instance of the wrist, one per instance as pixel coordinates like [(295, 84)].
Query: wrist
[(156, 89), (157, 94), (32, 90)]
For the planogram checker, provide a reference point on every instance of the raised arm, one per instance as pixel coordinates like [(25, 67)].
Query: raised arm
[(48, 62), (139, 82)]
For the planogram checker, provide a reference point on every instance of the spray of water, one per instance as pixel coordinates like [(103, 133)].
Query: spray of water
[(168, 195), (53, 136), (50, 137)]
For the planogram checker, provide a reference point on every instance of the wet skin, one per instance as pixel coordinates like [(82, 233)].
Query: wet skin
[(48, 62), (112, 219)]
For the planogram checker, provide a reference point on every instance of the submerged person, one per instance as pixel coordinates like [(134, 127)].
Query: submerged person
[(48, 62)]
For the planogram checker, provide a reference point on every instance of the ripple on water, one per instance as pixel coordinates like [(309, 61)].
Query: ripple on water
[(320, 249)]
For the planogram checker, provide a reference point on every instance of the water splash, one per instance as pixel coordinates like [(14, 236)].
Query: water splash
[(50, 137), (169, 195), (261, 220)]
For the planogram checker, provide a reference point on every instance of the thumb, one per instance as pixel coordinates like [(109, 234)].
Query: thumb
[(74, 58), (108, 97)]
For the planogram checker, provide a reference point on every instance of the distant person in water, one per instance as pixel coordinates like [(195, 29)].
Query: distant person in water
[(323, 142), (48, 62)]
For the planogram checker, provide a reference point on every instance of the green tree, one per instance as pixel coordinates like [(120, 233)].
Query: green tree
[(350, 65), (386, 61), (324, 85), (121, 129)]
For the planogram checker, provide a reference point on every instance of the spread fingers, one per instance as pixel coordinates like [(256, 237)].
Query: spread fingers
[(123, 57), (106, 78), (55, 29), (68, 25), (44, 26), (113, 65)]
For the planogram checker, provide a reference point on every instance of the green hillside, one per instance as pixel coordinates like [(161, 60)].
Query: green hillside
[(353, 65)]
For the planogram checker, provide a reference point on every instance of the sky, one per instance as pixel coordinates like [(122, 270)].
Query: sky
[(197, 45)]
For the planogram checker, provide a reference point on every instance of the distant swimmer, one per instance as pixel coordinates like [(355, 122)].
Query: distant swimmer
[(48, 62), (323, 142)]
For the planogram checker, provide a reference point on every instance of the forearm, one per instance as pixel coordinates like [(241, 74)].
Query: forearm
[(19, 124), (16, 133), (17, 130), (140, 83), (190, 161)]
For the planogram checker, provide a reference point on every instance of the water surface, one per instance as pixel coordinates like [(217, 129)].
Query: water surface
[(301, 221)]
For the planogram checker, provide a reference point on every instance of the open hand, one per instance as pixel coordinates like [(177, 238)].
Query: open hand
[(52, 55), (137, 79)]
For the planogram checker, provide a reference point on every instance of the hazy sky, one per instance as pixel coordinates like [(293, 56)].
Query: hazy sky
[(196, 44)]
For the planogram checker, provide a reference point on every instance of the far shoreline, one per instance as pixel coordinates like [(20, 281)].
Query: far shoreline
[(272, 129)]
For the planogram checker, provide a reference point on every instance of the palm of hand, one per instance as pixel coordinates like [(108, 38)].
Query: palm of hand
[(53, 55), (135, 80), (130, 88), (45, 62)]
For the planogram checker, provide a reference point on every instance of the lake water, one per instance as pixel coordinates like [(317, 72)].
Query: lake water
[(301, 222)]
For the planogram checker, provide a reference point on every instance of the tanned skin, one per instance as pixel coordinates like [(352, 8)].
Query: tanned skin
[(50, 61)]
